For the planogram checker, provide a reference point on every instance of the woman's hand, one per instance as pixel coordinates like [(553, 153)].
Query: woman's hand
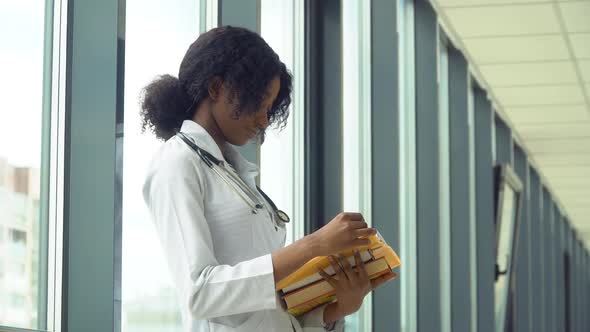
[(342, 233), (351, 286)]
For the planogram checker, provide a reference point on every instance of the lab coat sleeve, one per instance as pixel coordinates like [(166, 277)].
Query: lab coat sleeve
[(175, 200), (315, 319)]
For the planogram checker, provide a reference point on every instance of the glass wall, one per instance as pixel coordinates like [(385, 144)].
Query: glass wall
[(356, 122), (25, 75), (157, 37), (407, 173), (281, 155)]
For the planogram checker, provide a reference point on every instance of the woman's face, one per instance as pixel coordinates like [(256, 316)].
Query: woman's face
[(238, 131)]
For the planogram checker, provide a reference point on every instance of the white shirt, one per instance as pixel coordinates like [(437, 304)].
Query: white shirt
[(218, 251)]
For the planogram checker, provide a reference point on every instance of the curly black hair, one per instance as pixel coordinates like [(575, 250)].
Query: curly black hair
[(241, 58)]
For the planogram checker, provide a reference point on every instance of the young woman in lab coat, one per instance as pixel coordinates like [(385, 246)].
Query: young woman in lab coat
[(223, 241)]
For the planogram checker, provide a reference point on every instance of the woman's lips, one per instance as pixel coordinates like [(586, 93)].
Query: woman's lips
[(252, 133)]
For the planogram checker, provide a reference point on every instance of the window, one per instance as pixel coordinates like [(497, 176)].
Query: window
[(26, 29), (445, 186), (281, 155), (407, 169), (17, 301), (356, 122), (149, 301)]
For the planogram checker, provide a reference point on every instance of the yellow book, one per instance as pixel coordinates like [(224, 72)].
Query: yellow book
[(308, 273), (322, 288)]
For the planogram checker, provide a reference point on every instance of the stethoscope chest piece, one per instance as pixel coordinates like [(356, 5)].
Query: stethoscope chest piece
[(283, 216)]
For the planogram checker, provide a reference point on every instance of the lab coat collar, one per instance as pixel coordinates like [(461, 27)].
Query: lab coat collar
[(202, 137), (205, 141), (244, 167)]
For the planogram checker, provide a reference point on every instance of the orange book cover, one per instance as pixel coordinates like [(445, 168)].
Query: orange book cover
[(377, 247), (322, 288)]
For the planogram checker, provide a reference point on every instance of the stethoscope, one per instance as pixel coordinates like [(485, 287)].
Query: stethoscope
[(234, 182)]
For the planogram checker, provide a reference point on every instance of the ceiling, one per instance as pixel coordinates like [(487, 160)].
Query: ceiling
[(533, 56)]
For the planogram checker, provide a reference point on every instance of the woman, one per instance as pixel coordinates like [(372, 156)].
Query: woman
[(223, 241)]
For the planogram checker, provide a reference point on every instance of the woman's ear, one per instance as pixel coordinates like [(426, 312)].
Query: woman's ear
[(214, 88)]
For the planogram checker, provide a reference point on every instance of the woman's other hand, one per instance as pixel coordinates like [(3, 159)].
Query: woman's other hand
[(347, 230), (351, 286)]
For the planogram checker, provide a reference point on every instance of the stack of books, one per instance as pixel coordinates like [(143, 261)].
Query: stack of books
[(305, 289)]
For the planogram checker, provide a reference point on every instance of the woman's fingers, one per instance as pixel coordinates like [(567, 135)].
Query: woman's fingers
[(327, 277), (360, 242), (350, 274), (354, 216), (383, 279), (364, 232), (362, 272), (337, 268)]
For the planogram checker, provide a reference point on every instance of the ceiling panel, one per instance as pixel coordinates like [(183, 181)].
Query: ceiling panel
[(530, 73), (540, 95), (585, 70), (576, 16), (572, 196), (581, 45), (565, 146), (517, 49), (553, 130), (570, 183), (561, 159), (447, 3), (520, 51), (516, 20), (547, 114), (567, 172), (583, 211)]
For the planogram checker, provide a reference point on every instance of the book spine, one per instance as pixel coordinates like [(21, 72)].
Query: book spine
[(303, 308), (332, 292)]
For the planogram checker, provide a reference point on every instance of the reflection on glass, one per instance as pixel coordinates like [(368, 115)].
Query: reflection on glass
[(157, 37), (22, 278)]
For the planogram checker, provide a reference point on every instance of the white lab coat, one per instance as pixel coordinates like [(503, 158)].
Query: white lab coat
[(218, 252)]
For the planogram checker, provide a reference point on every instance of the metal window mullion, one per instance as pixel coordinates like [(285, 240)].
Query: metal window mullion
[(385, 151), (323, 112), (461, 278), (427, 168), (522, 297), (89, 166), (535, 242), (483, 115)]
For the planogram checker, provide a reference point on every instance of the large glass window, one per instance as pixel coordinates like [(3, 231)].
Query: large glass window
[(25, 74), (157, 36), (444, 184), (356, 122), (407, 169), (281, 155)]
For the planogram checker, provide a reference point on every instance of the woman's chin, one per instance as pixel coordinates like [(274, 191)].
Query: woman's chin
[(240, 142)]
